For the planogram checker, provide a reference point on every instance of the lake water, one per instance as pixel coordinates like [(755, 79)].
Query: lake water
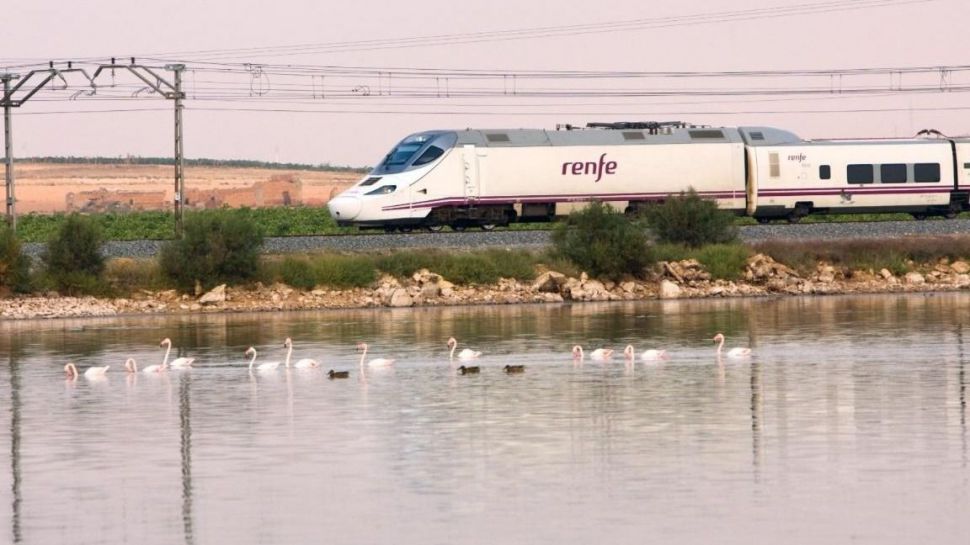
[(848, 425)]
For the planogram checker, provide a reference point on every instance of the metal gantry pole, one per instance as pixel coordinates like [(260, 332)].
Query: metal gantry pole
[(8, 153), (179, 160)]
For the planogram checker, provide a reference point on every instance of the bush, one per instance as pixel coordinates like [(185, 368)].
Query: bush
[(724, 261), (297, 273), (73, 257), (216, 247), (14, 265), (351, 271), (601, 241), (127, 275), (689, 219)]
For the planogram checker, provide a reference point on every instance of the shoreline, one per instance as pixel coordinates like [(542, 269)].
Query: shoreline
[(763, 277)]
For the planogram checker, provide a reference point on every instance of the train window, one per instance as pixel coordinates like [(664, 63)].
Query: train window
[(894, 173), (757, 136), (774, 169), (370, 181), (383, 190), (631, 135), (705, 134), (859, 174), (430, 154), (926, 172), (824, 172), (497, 137), (402, 153)]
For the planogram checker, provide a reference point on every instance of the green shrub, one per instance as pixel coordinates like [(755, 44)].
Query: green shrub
[(340, 271), (73, 257), (297, 273), (127, 275), (601, 241), (216, 247), (724, 261), (403, 264), (689, 219), (14, 265)]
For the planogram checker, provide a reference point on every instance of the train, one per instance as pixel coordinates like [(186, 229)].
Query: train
[(488, 178)]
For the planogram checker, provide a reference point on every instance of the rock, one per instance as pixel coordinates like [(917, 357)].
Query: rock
[(628, 287), (195, 306), (549, 282), (214, 296), (914, 278), (885, 274), (400, 298), (429, 290), (960, 267), (669, 290)]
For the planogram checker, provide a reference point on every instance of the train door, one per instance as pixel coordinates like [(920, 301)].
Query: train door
[(751, 180), (470, 173)]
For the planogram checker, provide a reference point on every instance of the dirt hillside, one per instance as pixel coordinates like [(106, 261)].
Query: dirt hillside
[(46, 188)]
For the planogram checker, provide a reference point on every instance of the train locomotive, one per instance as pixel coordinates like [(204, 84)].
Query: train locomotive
[(489, 178)]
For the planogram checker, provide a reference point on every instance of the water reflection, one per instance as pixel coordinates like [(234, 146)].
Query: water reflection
[(845, 415)]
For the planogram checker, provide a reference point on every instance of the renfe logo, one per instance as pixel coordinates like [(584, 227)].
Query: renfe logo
[(590, 168)]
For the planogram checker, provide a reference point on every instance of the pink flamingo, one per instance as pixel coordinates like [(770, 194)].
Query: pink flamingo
[(465, 354), (376, 362), (305, 363), (267, 366), (90, 373), (132, 367), (177, 363), (737, 352), (646, 355), (600, 354)]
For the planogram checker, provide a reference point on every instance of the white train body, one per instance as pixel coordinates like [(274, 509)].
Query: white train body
[(494, 177)]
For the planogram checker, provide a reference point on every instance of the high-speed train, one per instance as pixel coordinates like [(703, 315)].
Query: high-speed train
[(486, 178)]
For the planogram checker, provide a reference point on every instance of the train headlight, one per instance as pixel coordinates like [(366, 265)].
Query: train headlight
[(383, 190), (343, 208)]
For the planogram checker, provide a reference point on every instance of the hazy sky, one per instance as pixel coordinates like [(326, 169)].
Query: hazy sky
[(358, 131)]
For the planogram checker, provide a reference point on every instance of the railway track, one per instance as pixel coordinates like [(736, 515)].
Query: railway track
[(538, 239)]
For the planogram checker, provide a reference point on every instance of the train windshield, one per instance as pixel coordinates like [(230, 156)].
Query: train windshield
[(416, 150)]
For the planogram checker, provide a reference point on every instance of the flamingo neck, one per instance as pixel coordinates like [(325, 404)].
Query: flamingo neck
[(252, 361), (578, 350), (363, 355), (71, 370), (720, 344), (131, 366), (451, 355), (168, 348), (629, 351), (289, 351)]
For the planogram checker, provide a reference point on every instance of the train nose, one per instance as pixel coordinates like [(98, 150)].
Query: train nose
[(344, 208)]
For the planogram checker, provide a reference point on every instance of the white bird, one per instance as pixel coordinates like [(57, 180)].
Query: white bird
[(646, 355), (376, 362), (132, 367), (737, 352), (600, 354), (90, 373), (465, 354), (305, 363), (177, 363), (267, 366)]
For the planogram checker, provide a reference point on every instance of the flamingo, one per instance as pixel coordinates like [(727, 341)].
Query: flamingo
[(267, 366), (737, 352), (600, 354), (465, 354), (90, 373), (305, 363), (377, 362), (177, 363), (132, 367), (646, 355)]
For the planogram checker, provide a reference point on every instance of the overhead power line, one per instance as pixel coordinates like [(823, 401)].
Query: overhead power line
[(531, 33)]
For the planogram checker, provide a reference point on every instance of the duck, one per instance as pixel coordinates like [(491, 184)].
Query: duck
[(90, 373), (338, 374), (514, 369), (465, 354), (469, 370)]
